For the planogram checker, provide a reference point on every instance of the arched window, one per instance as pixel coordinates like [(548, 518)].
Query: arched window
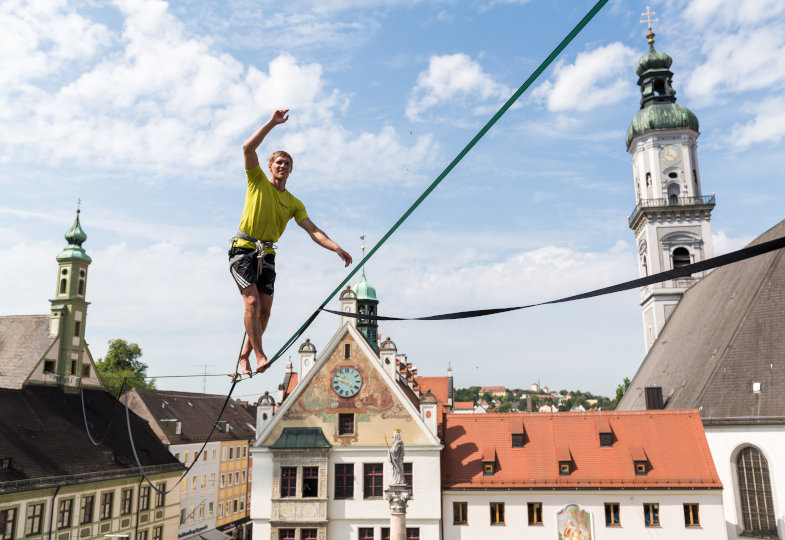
[(644, 266), (757, 507), (673, 193), (62, 286), (681, 257)]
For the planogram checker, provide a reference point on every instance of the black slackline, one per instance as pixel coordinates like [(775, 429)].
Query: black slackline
[(708, 264), (84, 415), (480, 134), (196, 457)]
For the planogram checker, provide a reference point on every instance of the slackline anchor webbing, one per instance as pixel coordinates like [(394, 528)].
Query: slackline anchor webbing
[(708, 264), (533, 77)]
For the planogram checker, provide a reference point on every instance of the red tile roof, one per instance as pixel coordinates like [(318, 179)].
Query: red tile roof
[(672, 442), (493, 389), (463, 405)]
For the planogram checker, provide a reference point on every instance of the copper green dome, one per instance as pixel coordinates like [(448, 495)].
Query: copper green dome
[(364, 290), (659, 109), (75, 237)]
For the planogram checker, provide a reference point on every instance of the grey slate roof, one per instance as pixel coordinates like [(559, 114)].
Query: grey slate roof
[(24, 339), (301, 438), (726, 333), (42, 429), (197, 412)]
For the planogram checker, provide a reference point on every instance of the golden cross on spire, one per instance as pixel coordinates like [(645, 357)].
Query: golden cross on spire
[(78, 205), (363, 246), (648, 21)]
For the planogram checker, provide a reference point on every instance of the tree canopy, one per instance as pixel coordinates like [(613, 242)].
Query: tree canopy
[(122, 361)]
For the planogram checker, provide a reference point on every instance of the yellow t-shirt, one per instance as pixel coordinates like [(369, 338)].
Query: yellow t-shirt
[(267, 210)]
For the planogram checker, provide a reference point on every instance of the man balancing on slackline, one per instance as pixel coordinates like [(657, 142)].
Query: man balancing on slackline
[(268, 207)]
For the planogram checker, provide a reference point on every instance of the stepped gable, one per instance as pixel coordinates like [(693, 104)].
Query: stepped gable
[(671, 444), (725, 335), (24, 339), (42, 430)]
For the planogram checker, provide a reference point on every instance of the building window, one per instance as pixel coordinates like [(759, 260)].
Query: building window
[(77, 328), (7, 524), (497, 513), (366, 533), (223, 480), (210, 509), (245, 453), (640, 468), (344, 480), (309, 534), (141, 535), (144, 498), (85, 372), (237, 478), (681, 257), (204, 481), (310, 481), (64, 510), (651, 514), (691, 515), (243, 477), (346, 424), (288, 481), (612, 515), (347, 350), (286, 534), (86, 509), (460, 513), (517, 440), (606, 439), (412, 533), (182, 515), (160, 496), (193, 483), (757, 505), (220, 509), (231, 453), (33, 524), (223, 454), (385, 533), (187, 458), (564, 468), (372, 480), (535, 513), (212, 480), (487, 468), (158, 533), (408, 478), (230, 479), (107, 499)]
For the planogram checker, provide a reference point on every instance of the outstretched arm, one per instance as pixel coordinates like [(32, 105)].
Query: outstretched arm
[(249, 148), (321, 238)]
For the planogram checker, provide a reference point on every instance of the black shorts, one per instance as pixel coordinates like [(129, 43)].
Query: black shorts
[(243, 264)]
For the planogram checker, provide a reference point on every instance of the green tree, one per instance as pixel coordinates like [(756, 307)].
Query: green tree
[(122, 361), (620, 392), (504, 407)]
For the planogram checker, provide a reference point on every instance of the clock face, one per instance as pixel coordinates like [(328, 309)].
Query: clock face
[(347, 382), (670, 155)]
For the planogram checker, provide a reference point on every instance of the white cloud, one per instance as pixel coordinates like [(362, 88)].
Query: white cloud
[(767, 126), (452, 78), (597, 78), (156, 101), (725, 13), (722, 243)]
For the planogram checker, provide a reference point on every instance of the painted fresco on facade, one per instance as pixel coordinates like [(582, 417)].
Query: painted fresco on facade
[(574, 523)]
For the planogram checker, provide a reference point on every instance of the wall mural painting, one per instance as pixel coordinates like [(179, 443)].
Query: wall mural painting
[(574, 523)]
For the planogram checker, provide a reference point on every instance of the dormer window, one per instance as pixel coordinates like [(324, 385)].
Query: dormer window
[(517, 440), (564, 468), (605, 432), (640, 468), (517, 433), (488, 461), (565, 460), (640, 461)]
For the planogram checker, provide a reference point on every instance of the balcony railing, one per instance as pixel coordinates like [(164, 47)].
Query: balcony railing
[(707, 200)]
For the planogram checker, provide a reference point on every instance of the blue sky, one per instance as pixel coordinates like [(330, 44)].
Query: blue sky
[(140, 108)]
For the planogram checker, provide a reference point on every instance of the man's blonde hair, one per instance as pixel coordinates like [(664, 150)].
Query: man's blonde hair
[(281, 153)]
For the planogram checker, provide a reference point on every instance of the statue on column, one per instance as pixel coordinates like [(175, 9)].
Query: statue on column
[(396, 459)]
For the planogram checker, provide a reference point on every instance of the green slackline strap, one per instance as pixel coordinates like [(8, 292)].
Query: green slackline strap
[(533, 77)]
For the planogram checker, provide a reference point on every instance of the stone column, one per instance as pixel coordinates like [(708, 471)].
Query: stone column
[(397, 493), (398, 497)]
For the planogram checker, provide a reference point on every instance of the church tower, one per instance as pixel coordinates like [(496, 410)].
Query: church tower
[(367, 302), (671, 217), (69, 308)]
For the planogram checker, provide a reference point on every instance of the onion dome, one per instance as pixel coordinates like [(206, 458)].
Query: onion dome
[(364, 290), (75, 238), (659, 109), (388, 344)]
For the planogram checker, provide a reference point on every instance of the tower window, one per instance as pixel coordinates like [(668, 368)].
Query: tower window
[(77, 328), (62, 286), (673, 175), (681, 257), (81, 286), (347, 350)]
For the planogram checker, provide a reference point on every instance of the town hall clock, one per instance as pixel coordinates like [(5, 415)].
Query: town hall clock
[(347, 382)]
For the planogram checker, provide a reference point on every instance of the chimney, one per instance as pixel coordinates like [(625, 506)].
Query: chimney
[(528, 403), (449, 386), (265, 408), (654, 397)]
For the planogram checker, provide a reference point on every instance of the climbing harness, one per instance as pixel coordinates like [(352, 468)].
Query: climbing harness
[(262, 249)]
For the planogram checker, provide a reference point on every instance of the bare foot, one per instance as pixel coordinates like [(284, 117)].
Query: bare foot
[(245, 365), (261, 363)]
